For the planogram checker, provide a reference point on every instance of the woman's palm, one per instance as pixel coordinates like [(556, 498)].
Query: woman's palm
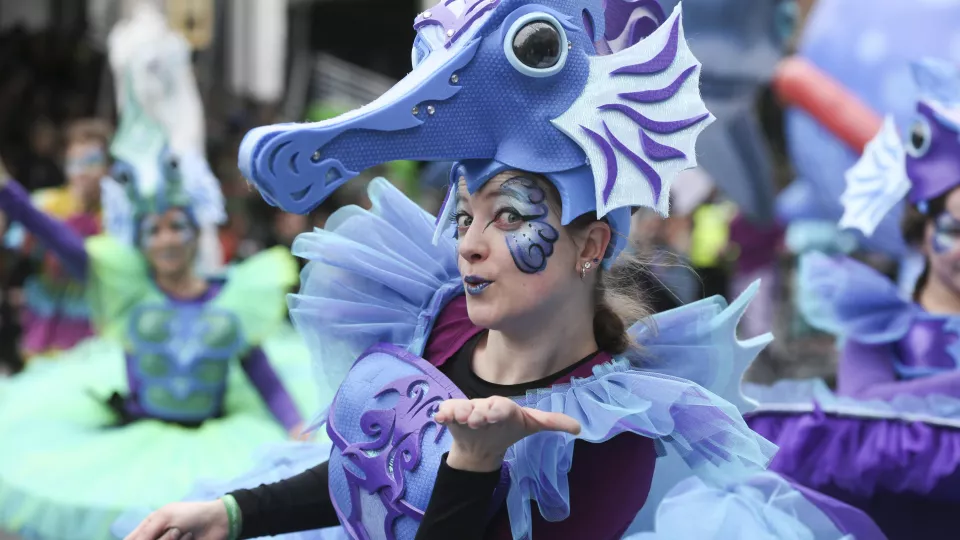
[(483, 429)]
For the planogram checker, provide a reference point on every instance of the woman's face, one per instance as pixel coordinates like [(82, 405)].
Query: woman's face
[(169, 241), (86, 164), (942, 243), (516, 260)]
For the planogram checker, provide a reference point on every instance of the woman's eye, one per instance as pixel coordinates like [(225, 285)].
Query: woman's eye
[(508, 217), (464, 221)]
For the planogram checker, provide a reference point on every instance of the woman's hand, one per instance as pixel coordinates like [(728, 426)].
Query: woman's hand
[(483, 429), (185, 521)]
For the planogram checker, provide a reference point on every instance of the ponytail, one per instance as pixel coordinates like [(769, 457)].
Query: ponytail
[(618, 304)]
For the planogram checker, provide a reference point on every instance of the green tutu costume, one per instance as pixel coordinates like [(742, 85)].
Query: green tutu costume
[(68, 469), (135, 417)]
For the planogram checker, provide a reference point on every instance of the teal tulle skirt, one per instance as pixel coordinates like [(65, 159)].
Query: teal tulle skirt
[(67, 472)]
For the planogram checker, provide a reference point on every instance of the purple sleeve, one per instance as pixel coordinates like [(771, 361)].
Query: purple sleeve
[(271, 389), (866, 372), (54, 234)]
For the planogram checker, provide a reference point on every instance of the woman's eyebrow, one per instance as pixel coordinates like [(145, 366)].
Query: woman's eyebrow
[(509, 192)]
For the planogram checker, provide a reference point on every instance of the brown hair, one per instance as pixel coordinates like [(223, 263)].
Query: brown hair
[(618, 297), (619, 294), (914, 228), (89, 130)]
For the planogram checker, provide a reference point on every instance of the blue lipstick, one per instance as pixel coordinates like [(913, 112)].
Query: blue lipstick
[(475, 285)]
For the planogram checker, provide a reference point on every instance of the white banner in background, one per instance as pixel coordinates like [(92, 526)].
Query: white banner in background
[(257, 46)]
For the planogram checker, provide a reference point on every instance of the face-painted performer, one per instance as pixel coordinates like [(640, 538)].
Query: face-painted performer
[(483, 357), (900, 361), (55, 315), (82, 442)]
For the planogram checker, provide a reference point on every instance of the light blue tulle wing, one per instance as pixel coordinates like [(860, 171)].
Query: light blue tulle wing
[(682, 390), (849, 299), (707, 434), (697, 342), (766, 507), (372, 276)]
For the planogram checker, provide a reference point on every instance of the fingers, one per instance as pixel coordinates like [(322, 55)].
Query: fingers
[(500, 409), (475, 413), (445, 412), (150, 529), (462, 410), (479, 415), (551, 421), (171, 534), (454, 410)]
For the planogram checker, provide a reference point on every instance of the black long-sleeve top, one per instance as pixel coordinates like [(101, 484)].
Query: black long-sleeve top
[(459, 506)]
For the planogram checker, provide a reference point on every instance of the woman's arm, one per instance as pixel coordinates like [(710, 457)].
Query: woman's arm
[(55, 235), (299, 503), (460, 505), (265, 379), (866, 372), (611, 480)]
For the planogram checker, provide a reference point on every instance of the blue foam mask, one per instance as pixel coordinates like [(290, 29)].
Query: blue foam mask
[(532, 86)]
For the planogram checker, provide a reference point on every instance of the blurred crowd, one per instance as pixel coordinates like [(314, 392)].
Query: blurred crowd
[(54, 89)]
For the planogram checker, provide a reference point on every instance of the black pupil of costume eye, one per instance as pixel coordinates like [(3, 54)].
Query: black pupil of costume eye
[(537, 45), (918, 136)]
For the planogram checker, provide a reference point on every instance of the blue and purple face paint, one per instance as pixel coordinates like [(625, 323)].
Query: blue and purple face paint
[(179, 223), (521, 212), (531, 244), (946, 233), (89, 160)]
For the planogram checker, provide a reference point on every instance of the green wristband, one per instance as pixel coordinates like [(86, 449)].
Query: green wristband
[(234, 517)]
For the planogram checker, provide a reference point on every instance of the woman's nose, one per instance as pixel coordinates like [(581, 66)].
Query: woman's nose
[(472, 246)]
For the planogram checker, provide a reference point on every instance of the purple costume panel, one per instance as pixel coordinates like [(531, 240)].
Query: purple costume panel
[(888, 441)]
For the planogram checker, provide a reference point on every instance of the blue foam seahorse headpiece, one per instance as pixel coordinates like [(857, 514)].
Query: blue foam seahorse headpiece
[(537, 86), (920, 163)]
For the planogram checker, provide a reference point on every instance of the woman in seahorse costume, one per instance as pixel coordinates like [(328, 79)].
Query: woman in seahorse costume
[(99, 432), (887, 441), (428, 324)]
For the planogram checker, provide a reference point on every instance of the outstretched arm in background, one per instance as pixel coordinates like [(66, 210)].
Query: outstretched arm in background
[(66, 244), (268, 384)]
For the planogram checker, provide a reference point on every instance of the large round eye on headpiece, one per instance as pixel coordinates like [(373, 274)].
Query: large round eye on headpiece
[(918, 138), (536, 45)]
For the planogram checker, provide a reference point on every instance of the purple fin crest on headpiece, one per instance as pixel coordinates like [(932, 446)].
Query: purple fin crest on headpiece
[(655, 126), (611, 158), (661, 61), (640, 29), (672, 106), (442, 16), (661, 94), (656, 183), (617, 14), (657, 151)]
